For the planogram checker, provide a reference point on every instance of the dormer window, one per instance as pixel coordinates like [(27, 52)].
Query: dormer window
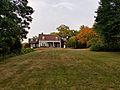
[(56, 38), (43, 37)]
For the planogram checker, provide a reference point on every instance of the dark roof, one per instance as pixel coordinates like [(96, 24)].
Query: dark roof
[(48, 37)]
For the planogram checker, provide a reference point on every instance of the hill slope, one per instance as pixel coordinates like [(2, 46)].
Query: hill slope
[(61, 70)]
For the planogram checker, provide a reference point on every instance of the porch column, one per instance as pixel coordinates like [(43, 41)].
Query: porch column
[(31, 45), (53, 44), (60, 44), (39, 44)]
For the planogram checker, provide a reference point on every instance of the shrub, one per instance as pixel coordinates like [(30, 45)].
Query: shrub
[(25, 45), (96, 44), (26, 50), (72, 42), (23, 51)]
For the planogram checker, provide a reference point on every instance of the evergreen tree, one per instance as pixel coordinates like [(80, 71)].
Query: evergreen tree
[(107, 23)]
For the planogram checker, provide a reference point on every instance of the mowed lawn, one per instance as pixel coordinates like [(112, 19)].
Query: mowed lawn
[(61, 69)]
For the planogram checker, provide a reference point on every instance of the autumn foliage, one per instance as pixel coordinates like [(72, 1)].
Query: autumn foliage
[(74, 38), (85, 35)]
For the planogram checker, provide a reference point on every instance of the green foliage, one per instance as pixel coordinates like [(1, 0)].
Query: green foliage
[(96, 44), (64, 31), (26, 50), (54, 33), (72, 42), (15, 16), (107, 23), (13, 54)]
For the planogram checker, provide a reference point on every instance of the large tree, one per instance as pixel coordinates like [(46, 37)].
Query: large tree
[(85, 35), (107, 23), (15, 16), (65, 32)]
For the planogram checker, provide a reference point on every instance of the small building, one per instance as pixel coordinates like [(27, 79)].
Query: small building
[(45, 40)]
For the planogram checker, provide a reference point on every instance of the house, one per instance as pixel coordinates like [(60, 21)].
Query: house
[(46, 40)]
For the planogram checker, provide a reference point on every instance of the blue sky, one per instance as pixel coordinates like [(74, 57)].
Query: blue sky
[(49, 14)]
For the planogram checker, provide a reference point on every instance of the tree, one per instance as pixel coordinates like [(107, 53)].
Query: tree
[(107, 23), (72, 33), (72, 42), (83, 26), (65, 32), (54, 33), (85, 35), (15, 16)]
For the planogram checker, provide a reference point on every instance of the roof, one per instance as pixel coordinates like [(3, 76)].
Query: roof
[(48, 37), (34, 41)]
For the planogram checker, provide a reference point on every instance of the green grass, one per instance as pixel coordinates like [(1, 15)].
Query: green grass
[(61, 70)]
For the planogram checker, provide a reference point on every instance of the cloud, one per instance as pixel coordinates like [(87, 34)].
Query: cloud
[(66, 5), (40, 4), (51, 13), (59, 4)]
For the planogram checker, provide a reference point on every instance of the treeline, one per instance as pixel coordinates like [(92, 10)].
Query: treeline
[(105, 34), (76, 38), (15, 18)]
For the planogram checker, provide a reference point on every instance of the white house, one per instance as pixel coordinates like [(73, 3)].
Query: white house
[(45, 40)]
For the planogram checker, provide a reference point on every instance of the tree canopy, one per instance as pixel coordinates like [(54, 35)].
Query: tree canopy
[(72, 42), (107, 23), (65, 32), (15, 17), (85, 35)]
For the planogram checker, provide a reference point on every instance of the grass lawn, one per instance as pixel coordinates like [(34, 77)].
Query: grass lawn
[(63, 69)]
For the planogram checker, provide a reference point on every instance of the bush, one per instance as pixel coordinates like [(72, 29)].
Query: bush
[(26, 50), (96, 44), (25, 45), (23, 51), (72, 42)]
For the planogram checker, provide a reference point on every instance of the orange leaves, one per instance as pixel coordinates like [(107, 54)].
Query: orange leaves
[(85, 35)]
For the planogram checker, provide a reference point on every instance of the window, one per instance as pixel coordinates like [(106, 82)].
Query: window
[(56, 38), (43, 37)]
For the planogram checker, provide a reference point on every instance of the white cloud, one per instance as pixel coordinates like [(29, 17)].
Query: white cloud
[(67, 5), (45, 4), (49, 14)]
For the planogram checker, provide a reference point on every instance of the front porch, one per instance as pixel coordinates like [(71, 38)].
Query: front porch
[(48, 44)]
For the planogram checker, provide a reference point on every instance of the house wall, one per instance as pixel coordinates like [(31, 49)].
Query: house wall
[(48, 43), (41, 43), (34, 45)]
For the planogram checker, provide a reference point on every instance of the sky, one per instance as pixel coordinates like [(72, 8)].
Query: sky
[(49, 14)]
